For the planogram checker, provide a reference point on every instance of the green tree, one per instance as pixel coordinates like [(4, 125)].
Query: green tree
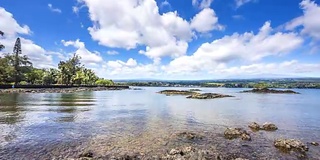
[(50, 76), (104, 82), (261, 85), (6, 71), (68, 69), (35, 76), (21, 64)]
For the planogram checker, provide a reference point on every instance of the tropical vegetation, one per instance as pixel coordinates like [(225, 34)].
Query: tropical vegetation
[(16, 68)]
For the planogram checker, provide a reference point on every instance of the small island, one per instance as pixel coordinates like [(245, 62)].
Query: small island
[(208, 96), (266, 90), (263, 88), (176, 92), (194, 95)]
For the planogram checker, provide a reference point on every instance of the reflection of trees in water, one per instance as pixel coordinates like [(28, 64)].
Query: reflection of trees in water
[(71, 104), (11, 111)]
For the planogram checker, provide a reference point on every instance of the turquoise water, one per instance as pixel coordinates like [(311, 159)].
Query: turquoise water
[(35, 125)]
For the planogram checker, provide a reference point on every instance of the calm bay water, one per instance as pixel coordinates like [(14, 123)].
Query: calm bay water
[(36, 126)]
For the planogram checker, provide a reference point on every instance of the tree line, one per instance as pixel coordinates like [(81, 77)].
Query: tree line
[(16, 68)]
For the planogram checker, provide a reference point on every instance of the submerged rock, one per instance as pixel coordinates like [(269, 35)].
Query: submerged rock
[(291, 144), (233, 133), (189, 153), (269, 126), (207, 96), (189, 136), (254, 126), (266, 90), (314, 143), (176, 92)]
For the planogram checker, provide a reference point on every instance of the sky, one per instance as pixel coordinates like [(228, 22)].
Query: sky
[(169, 39)]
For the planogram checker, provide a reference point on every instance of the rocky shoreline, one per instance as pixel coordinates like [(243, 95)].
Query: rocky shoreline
[(191, 94), (190, 145), (266, 90), (57, 90)]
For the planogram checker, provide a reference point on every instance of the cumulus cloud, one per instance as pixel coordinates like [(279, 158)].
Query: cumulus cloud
[(87, 56), (247, 47), (310, 20), (130, 68), (165, 34), (293, 67), (57, 10), (202, 3), (206, 21), (12, 30)]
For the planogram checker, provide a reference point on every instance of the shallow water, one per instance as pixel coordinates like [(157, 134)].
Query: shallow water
[(41, 126)]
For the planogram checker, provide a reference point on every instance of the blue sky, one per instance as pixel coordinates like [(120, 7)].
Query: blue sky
[(169, 39)]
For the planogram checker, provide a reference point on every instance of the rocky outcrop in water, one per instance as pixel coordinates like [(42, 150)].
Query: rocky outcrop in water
[(266, 126), (176, 92), (266, 90), (195, 90), (233, 133), (207, 96), (291, 144)]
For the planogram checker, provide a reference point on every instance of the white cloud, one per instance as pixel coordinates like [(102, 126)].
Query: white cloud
[(10, 26), (309, 20), (202, 3), (240, 3), (130, 68), (286, 68), (246, 47), (39, 56), (83, 52), (206, 21), (57, 10), (165, 3), (113, 52), (162, 35)]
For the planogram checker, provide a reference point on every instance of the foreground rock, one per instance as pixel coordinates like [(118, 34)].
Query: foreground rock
[(57, 90), (266, 90), (207, 96), (291, 144), (176, 92), (254, 126), (233, 133), (191, 153), (269, 127), (266, 126)]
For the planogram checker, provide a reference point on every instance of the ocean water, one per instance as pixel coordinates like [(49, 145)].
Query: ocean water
[(47, 126)]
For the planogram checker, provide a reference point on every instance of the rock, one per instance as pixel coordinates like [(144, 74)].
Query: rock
[(266, 90), (314, 143), (233, 133), (291, 144), (189, 136), (269, 126), (194, 90), (87, 154), (254, 126), (207, 96), (175, 152), (176, 92), (241, 159)]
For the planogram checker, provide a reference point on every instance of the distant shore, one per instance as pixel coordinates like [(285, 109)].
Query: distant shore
[(56, 88)]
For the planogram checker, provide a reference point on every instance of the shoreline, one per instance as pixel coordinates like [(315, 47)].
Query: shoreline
[(59, 89)]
